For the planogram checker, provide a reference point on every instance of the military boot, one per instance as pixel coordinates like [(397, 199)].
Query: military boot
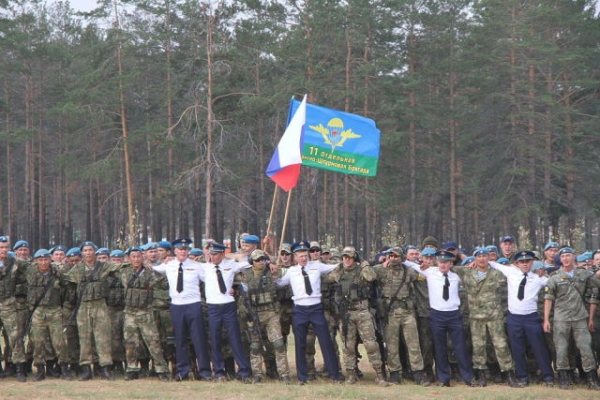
[(380, 378), (394, 377), (512, 380), (163, 376), (496, 375), (144, 368), (563, 378), (11, 370), (480, 376), (21, 377), (86, 373), (65, 373), (118, 367), (51, 370), (592, 379), (106, 374), (351, 378), (41, 373), (131, 376), (421, 378)]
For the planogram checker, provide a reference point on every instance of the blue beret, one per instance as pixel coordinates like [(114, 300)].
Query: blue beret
[(75, 251), (41, 253), (3, 239), (583, 258), (492, 249), (450, 245), (428, 252), (88, 243), (252, 239), (165, 245), (503, 261), (11, 254), (524, 255), (19, 244), (537, 265), (132, 249), (196, 251), (300, 246), (182, 243), (444, 255), (117, 253), (551, 245), (467, 260), (103, 250), (566, 250), (151, 246), (480, 250), (217, 248), (58, 247)]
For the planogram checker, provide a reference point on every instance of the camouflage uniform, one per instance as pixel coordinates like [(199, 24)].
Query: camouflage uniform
[(397, 301), (22, 315), (70, 337), (115, 301), (421, 294), (161, 303), (263, 300), (93, 320), (139, 318), (570, 315), (351, 295), (46, 321), (486, 315), (8, 308)]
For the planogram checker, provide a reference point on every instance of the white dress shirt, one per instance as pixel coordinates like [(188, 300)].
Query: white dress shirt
[(514, 276), (228, 270), (435, 284), (191, 280), (294, 277)]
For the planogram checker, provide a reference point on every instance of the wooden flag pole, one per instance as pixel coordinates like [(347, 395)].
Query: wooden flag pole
[(287, 209)]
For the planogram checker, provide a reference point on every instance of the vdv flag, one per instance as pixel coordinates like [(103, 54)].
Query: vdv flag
[(339, 141), (284, 168)]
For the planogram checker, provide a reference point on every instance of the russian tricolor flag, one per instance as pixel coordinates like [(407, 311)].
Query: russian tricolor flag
[(284, 168)]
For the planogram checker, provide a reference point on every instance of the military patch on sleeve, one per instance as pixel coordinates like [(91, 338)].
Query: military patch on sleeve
[(546, 289)]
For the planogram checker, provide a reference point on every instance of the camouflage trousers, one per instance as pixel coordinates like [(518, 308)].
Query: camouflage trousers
[(8, 315), (360, 322), (116, 334), (93, 324), (426, 341), (269, 324), (311, 339), (285, 318), (46, 325), (164, 326), (70, 349), (140, 323), (22, 307), (403, 322), (583, 340), (495, 328)]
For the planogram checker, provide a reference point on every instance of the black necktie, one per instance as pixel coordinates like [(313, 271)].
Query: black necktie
[(222, 286), (180, 278), (446, 293), (307, 285), (521, 294)]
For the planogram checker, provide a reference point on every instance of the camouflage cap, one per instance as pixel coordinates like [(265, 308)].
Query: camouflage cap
[(349, 251)]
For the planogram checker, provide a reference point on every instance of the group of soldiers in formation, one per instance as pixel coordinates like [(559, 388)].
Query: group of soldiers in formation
[(421, 313)]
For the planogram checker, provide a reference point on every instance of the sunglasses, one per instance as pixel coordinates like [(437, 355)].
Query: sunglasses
[(394, 255), (314, 250), (261, 259), (285, 253)]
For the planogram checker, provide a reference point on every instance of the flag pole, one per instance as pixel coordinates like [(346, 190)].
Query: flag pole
[(285, 216), (272, 211)]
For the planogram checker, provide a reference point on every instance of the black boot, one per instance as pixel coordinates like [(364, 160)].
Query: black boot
[(421, 378), (86, 373), (118, 368), (21, 377), (144, 368), (131, 376), (106, 374), (11, 370), (592, 379), (394, 377), (65, 374), (41, 373), (51, 369), (563, 378), (480, 376)]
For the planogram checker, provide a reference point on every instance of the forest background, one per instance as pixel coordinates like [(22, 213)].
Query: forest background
[(148, 119)]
